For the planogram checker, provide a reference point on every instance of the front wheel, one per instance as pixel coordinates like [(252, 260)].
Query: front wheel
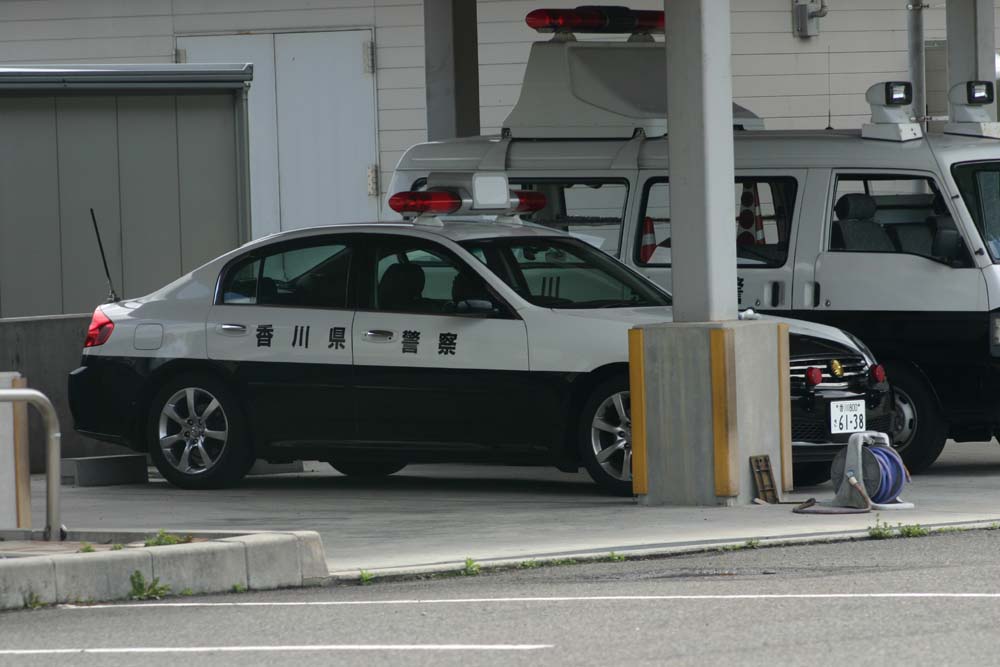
[(918, 430), (605, 436), (196, 433)]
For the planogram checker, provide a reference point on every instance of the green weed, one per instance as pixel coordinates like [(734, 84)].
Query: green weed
[(471, 569), (365, 577), (881, 530), (163, 539), (86, 548), (32, 601), (529, 564), (143, 590), (913, 530), (117, 547), (615, 558), (238, 588)]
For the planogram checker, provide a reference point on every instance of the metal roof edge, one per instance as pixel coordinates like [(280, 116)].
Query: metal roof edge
[(167, 75)]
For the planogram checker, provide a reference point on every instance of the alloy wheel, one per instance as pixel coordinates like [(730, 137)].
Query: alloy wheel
[(904, 420), (611, 436), (193, 431)]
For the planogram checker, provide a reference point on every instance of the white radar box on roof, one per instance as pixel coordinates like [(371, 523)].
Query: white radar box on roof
[(598, 90)]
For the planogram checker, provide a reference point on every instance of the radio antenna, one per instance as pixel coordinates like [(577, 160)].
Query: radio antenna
[(829, 93), (112, 297)]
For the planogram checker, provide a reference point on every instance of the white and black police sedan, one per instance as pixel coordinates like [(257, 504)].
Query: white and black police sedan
[(372, 346)]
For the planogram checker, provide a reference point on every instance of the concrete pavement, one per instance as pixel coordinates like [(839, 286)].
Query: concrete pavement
[(922, 601), (431, 517)]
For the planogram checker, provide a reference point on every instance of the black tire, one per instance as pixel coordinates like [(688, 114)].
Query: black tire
[(919, 438), (366, 469), (586, 448), (229, 460), (810, 474)]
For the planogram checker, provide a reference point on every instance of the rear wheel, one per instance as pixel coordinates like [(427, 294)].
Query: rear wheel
[(196, 433), (366, 469), (918, 430), (605, 436)]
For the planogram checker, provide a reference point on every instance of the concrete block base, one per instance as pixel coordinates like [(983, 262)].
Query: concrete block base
[(712, 395), (104, 577), (201, 567), (105, 470)]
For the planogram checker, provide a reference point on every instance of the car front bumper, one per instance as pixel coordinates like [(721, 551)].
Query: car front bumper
[(812, 440)]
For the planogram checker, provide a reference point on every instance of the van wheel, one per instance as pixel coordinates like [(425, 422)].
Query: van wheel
[(918, 430), (605, 436), (196, 433), (366, 469)]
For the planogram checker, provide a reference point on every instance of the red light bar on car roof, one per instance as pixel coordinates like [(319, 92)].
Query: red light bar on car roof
[(605, 19), (444, 202)]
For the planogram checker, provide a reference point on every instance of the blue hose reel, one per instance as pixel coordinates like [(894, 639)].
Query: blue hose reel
[(874, 465)]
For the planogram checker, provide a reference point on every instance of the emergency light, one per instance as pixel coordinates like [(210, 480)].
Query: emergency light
[(603, 19), (970, 110), (478, 193)]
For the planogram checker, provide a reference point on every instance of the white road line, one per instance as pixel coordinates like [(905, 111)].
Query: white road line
[(583, 598), (291, 648)]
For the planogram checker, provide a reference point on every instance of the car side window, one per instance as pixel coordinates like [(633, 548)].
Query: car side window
[(763, 206), (311, 276), (590, 209), (418, 277), (889, 213)]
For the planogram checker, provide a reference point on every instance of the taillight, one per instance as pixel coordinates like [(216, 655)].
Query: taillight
[(877, 373), (814, 376), (529, 201), (429, 201), (99, 330)]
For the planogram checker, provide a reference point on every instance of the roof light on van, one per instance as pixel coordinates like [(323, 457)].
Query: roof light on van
[(891, 113), (596, 19), (970, 112), (435, 202)]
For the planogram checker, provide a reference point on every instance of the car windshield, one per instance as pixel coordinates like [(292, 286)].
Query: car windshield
[(565, 273), (979, 183)]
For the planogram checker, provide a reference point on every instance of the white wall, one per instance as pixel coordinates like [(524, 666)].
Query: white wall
[(777, 75)]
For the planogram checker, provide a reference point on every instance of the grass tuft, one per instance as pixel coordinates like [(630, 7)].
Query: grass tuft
[(366, 577), (471, 569), (143, 590)]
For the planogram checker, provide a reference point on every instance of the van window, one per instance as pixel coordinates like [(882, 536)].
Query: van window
[(593, 210), (763, 215), (979, 183), (892, 213)]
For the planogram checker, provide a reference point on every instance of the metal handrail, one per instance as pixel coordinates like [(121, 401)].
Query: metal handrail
[(53, 449)]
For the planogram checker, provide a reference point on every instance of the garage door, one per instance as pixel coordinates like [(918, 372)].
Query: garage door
[(312, 124)]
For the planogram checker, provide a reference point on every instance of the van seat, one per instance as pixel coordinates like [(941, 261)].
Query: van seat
[(916, 238), (855, 228)]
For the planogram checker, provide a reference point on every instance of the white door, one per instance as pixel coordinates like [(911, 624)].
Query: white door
[(312, 124)]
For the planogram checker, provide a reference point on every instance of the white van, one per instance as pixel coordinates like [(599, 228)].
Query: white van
[(886, 232)]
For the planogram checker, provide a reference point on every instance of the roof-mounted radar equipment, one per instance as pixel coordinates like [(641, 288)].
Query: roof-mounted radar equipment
[(601, 19), (891, 112), (479, 193), (970, 114)]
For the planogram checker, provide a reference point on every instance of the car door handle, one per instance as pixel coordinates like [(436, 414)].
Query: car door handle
[(232, 329), (378, 336)]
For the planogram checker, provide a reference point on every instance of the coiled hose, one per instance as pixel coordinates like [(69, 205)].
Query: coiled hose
[(893, 475)]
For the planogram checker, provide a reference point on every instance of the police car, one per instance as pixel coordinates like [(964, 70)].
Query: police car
[(372, 346)]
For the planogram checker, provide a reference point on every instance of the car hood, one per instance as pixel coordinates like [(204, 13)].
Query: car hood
[(663, 314)]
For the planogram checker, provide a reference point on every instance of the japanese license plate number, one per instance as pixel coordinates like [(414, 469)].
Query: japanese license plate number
[(847, 416)]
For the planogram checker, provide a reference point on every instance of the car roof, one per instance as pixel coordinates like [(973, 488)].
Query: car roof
[(457, 230)]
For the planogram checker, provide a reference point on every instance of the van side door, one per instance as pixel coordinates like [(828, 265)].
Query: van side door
[(766, 205)]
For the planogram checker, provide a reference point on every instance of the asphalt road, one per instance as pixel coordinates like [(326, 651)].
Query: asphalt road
[(918, 601)]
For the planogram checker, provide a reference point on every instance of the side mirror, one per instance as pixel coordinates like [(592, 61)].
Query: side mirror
[(475, 307), (948, 245)]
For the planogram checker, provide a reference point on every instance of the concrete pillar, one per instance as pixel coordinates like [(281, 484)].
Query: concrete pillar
[(971, 42), (451, 56), (705, 398), (700, 131)]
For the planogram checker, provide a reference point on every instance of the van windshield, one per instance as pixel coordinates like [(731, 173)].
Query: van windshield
[(565, 273), (979, 183)]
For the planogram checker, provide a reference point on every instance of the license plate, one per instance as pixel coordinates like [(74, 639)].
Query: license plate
[(847, 416)]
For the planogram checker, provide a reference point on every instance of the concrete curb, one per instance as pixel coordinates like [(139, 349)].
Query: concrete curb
[(253, 561), (631, 552)]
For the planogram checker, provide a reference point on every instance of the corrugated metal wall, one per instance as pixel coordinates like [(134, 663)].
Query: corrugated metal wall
[(160, 171)]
